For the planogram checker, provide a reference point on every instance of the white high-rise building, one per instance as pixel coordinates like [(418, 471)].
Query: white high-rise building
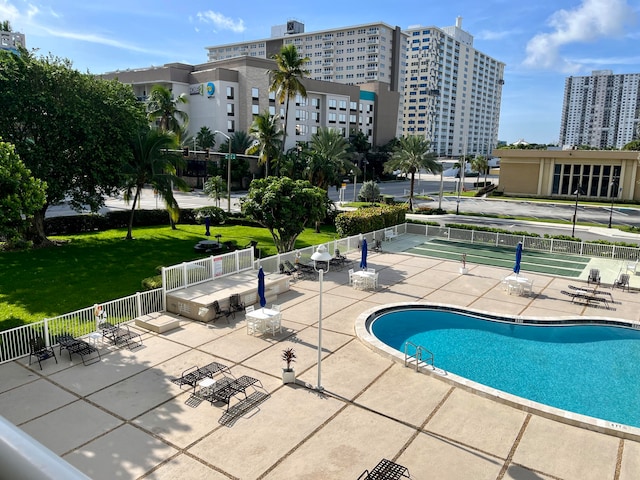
[(601, 110), (452, 91), (11, 40)]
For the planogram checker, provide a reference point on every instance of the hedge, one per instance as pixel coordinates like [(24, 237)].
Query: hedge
[(367, 219)]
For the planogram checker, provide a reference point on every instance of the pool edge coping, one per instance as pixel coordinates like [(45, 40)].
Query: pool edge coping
[(575, 419)]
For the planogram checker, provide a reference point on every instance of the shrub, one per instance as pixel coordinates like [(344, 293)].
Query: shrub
[(368, 219)]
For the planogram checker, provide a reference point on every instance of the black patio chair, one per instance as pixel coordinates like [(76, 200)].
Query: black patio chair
[(39, 350), (119, 334), (622, 282), (235, 303), (594, 276), (385, 469), (79, 347), (229, 387), (193, 375), (220, 312)]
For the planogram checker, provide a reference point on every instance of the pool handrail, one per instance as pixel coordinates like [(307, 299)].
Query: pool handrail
[(418, 355)]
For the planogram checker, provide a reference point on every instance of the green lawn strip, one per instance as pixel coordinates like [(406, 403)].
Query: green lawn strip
[(102, 266)]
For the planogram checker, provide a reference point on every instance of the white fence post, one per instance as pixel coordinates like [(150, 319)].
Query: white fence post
[(138, 304)]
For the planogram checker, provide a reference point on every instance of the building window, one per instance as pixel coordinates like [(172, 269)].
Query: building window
[(229, 93), (255, 109), (255, 93), (333, 103), (230, 109), (231, 126)]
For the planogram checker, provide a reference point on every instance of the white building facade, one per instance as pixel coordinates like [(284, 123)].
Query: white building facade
[(600, 110), (453, 92), (12, 41)]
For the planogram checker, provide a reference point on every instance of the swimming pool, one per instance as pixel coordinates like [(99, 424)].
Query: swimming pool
[(587, 366)]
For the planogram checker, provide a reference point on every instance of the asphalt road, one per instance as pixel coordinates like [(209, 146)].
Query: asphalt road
[(430, 185)]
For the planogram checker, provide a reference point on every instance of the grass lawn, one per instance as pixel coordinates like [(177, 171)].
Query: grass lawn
[(102, 266)]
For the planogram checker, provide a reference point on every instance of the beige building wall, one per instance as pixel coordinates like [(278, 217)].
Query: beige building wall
[(545, 172)]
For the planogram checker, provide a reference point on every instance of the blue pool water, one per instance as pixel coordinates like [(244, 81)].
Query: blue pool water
[(587, 369)]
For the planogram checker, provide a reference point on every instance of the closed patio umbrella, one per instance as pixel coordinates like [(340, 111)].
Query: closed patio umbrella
[(363, 258), (263, 300), (516, 267)]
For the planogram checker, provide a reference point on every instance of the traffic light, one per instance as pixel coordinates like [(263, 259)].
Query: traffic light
[(206, 153), (185, 151)]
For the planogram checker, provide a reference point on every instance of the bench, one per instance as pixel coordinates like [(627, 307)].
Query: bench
[(390, 234)]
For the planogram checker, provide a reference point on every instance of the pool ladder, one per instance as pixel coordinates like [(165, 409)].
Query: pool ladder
[(422, 355)]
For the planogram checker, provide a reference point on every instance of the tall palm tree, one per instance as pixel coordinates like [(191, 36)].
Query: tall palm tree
[(329, 159), (161, 105), (151, 164), (286, 80), (410, 155), (205, 138), (268, 138), (480, 164)]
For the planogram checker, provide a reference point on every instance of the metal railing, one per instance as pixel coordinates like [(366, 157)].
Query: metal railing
[(550, 245), (420, 354)]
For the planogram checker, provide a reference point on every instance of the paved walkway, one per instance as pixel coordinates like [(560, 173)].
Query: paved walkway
[(124, 418)]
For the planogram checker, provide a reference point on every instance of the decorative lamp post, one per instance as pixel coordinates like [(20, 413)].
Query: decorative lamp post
[(228, 169), (320, 255), (614, 194)]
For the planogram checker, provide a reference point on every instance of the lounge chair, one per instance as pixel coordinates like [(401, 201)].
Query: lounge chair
[(594, 277), (632, 267), (377, 246), (40, 351), (220, 312), (119, 334), (79, 347), (193, 375), (385, 469), (622, 282)]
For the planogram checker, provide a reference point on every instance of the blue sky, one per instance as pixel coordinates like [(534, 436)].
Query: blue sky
[(541, 42)]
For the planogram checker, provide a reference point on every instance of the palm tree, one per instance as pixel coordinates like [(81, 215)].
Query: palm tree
[(268, 139), (205, 138), (214, 187), (286, 79), (410, 155), (329, 160), (161, 105), (152, 164), (480, 164)]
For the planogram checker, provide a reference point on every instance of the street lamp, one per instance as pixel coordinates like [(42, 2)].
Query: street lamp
[(321, 255), (355, 181), (228, 169), (614, 194), (575, 211)]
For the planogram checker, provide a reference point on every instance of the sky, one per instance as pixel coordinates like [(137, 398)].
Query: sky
[(542, 42)]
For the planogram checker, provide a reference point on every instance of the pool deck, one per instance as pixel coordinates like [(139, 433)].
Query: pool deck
[(124, 418)]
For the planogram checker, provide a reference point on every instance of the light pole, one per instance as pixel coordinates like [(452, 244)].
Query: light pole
[(321, 255), (614, 194), (575, 211), (355, 181), (228, 169)]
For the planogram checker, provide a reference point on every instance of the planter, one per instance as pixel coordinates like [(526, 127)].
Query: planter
[(464, 270), (288, 375)]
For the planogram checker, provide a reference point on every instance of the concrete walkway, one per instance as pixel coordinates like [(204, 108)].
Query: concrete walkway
[(124, 418)]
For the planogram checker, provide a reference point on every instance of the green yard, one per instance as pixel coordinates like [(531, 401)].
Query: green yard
[(103, 266)]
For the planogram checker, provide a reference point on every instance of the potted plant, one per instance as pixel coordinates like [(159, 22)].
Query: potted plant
[(463, 268), (288, 373)]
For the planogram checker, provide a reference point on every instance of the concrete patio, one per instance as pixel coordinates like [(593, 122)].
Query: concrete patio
[(124, 418)]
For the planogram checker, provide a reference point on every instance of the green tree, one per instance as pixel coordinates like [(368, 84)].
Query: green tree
[(268, 139), (152, 164), (70, 129), (5, 26), (369, 192), (632, 145), (286, 80), (21, 195), (205, 138), (329, 158), (410, 156), (164, 108), (215, 187), (480, 164), (285, 207)]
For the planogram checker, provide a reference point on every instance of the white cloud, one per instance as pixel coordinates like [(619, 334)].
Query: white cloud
[(108, 41), (592, 20), (495, 35), (221, 22)]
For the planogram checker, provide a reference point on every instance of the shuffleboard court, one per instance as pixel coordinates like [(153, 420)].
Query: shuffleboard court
[(483, 254)]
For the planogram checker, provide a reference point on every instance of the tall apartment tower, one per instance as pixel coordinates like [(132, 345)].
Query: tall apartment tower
[(453, 92), (449, 92), (601, 110)]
